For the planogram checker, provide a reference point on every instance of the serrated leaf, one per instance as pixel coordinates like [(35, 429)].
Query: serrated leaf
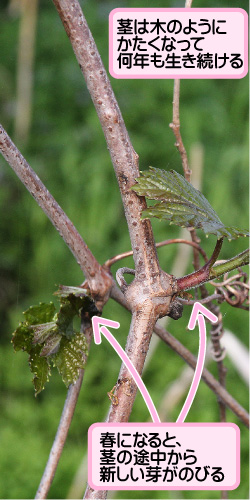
[(180, 203), (22, 338), (43, 313), (40, 367), (70, 358), (48, 336)]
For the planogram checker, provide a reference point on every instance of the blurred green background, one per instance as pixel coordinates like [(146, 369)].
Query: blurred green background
[(66, 147)]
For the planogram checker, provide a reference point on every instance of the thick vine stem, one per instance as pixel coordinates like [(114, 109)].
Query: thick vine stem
[(147, 304), (99, 280), (150, 294), (138, 342), (124, 158), (141, 329)]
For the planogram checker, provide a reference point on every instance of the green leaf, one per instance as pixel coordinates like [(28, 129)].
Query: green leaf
[(49, 337), (71, 305), (180, 203), (22, 338), (43, 313), (40, 367), (70, 358)]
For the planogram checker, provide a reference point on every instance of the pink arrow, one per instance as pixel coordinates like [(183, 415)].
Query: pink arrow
[(197, 314), (99, 326)]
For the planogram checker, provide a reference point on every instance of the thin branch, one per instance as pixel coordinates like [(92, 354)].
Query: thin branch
[(121, 256), (218, 353), (175, 125), (98, 279), (232, 280), (60, 438), (65, 421), (205, 300), (208, 378)]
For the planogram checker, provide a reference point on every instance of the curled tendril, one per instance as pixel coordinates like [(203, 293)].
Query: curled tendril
[(234, 289)]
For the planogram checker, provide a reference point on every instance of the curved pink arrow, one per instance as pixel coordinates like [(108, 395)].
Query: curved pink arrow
[(97, 328), (196, 316)]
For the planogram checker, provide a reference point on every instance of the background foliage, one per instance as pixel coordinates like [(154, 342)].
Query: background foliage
[(66, 148)]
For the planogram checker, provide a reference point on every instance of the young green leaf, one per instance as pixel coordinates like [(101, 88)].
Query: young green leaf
[(43, 313), (40, 367), (69, 308), (23, 337), (70, 358), (180, 203), (49, 337)]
